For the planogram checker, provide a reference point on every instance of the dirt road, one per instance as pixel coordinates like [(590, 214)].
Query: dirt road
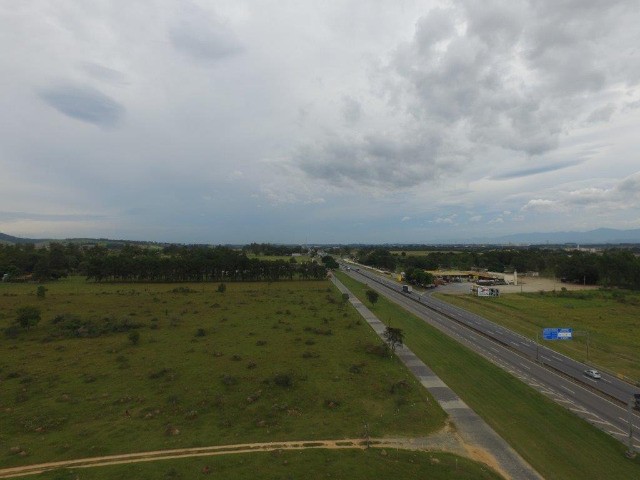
[(446, 440)]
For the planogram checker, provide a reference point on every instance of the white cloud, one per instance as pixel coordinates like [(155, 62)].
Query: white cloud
[(147, 119)]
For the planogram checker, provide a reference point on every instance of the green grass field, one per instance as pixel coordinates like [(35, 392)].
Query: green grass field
[(284, 465), (610, 317), (557, 443), (260, 362)]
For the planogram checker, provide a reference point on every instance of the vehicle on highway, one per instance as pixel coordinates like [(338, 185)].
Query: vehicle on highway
[(592, 373), (637, 398), (406, 288)]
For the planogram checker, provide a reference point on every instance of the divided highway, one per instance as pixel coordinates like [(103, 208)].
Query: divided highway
[(601, 402)]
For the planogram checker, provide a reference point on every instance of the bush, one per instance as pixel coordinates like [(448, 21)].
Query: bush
[(229, 380), (134, 337), (222, 288), (12, 332), (283, 380), (381, 350), (28, 317)]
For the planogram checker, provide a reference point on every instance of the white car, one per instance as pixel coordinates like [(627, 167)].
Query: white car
[(593, 373)]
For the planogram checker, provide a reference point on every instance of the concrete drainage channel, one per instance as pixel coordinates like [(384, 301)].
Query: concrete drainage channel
[(471, 427)]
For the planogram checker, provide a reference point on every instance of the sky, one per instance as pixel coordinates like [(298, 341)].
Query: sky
[(352, 121)]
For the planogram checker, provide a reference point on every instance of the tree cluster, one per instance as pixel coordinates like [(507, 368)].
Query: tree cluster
[(173, 263), (194, 264), (613, 267), (269, 249)]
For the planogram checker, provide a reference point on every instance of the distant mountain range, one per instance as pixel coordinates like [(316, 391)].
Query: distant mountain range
[(4, 238), (600, 236)]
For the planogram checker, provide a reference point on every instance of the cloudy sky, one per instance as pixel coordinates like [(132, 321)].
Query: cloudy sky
[(335, 121)]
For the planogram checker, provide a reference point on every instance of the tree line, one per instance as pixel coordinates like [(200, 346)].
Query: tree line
[(618, 267), (132, 263)]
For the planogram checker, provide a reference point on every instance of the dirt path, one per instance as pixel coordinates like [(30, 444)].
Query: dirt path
[(445, 440)]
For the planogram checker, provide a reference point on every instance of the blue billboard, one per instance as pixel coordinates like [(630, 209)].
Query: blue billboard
[(557, 333)]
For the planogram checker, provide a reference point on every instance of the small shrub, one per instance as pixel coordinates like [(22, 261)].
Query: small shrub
[(356, 368), (308, 354), (236, 357), (222, 288), (134, 337), (167, 373), (331, 404), (184, 290), (12, 332), (284, 380), (261, 343), (201, 332), (398, 386), (229, 380), (380, 350), (41, 291)]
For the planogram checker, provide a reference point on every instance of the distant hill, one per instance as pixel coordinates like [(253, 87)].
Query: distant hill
[(4, 238), (600, 236)]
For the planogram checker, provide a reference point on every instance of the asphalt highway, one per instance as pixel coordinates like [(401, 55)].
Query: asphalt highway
[(602, 402)]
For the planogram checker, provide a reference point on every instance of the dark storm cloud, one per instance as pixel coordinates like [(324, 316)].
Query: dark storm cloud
[(533, 171), (105, 74), (500, 76), (376, 161), (84, 104)]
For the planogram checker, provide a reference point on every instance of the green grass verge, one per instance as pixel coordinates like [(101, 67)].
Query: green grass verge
[(610, 317), (260, 362), (307, 464), (557, 443)]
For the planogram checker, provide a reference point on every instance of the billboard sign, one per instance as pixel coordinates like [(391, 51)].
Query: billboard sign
[(557, 333)]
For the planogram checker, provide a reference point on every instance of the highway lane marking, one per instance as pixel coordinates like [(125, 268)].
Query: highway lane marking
[(525, 366), (568, 390), (603, 422), (550, 393), (494, 349), (626, 420), (574, 409)]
